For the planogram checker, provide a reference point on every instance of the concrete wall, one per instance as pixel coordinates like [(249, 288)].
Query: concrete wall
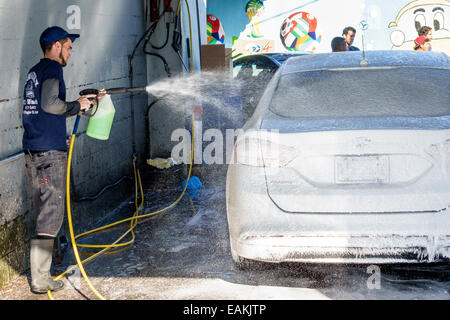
[(109, 31)]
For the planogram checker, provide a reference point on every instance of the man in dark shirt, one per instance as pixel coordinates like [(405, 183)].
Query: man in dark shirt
[(338, 44), (45, 145), (349, 34)]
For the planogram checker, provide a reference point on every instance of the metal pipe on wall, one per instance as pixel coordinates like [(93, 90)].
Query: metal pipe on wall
[(12, 158), (199, 31)]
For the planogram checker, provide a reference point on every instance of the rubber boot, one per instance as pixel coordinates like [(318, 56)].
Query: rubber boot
[(40, 262)]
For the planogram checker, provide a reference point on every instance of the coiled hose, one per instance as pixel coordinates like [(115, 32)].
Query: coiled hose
[(120, 246)]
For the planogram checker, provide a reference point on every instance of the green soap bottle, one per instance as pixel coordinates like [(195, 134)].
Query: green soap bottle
[(100, 124)]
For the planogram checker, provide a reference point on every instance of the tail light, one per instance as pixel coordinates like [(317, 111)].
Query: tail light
[(260, 152)]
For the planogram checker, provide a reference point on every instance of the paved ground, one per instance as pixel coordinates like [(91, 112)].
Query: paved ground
[(184, 255)]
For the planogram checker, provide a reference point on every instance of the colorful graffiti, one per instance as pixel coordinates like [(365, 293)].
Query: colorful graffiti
[(253, 46), (416, 14), (259, 35), (299, 32), (253, 8), (380, 25), (214, 30)]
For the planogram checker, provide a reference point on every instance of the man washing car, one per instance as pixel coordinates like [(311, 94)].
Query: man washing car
[(45, 147)]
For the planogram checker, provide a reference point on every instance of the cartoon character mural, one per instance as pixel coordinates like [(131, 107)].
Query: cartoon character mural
[(298, 32), (419, 13), (215, 33)]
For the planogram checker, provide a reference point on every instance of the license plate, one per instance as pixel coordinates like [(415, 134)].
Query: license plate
[(361, 169)]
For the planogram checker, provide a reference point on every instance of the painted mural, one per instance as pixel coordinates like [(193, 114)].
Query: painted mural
[(215, 34), (254, 42), (295, 30), (255, 10), (258, 26), (299, 32), (432, 13)]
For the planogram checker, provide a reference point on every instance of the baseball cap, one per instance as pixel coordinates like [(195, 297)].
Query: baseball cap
[(420, 40), (53, 34)]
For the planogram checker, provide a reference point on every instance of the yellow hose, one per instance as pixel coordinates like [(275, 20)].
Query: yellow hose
[(134, 220), (69, 218)]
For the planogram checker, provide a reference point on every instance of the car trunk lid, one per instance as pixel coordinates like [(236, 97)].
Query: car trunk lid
[(363, 171)]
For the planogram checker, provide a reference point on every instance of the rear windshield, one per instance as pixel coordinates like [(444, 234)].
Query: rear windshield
[(409, 92)]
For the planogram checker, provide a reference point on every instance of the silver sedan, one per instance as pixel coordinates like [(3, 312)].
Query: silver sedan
[(346, 160)]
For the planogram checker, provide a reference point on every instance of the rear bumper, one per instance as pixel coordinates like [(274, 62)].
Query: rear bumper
[(259, 230), (343, 249)]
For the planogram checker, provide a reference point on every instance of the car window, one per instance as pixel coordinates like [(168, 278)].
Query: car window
[(257, 68), (254, 74), (252, 69), (236, 69), (363, 93), (261, 65), (245, 72)]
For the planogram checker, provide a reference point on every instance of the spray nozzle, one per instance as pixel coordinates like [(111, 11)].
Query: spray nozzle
[(125, 90)]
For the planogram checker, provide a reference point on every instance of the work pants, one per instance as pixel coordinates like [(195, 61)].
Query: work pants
[(47, 175)]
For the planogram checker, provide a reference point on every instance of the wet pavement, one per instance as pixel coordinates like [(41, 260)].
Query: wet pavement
[(184, 254)]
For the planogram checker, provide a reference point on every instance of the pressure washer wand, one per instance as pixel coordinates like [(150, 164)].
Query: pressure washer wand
[(113, 91), (125, 90)]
